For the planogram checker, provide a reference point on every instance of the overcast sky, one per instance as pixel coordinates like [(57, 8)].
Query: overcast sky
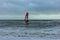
[(38, 9)]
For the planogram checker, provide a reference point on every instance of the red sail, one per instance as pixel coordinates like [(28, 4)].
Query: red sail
[(26, 17)]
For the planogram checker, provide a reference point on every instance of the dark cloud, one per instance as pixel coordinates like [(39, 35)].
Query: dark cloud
[(21, 6)]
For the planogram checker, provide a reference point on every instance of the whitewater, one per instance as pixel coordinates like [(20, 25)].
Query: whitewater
[(34, 30)]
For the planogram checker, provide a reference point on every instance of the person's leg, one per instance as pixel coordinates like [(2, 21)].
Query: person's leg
[(26, 21)]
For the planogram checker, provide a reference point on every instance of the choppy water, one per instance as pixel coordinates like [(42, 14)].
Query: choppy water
[(35, 28)]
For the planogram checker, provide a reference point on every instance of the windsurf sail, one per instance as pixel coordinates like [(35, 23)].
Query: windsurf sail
[(26, 17)]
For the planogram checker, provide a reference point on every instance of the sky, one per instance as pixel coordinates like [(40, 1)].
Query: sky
[(38, 9)]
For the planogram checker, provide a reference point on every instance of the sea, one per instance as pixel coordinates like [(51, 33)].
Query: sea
[(34, 29)]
